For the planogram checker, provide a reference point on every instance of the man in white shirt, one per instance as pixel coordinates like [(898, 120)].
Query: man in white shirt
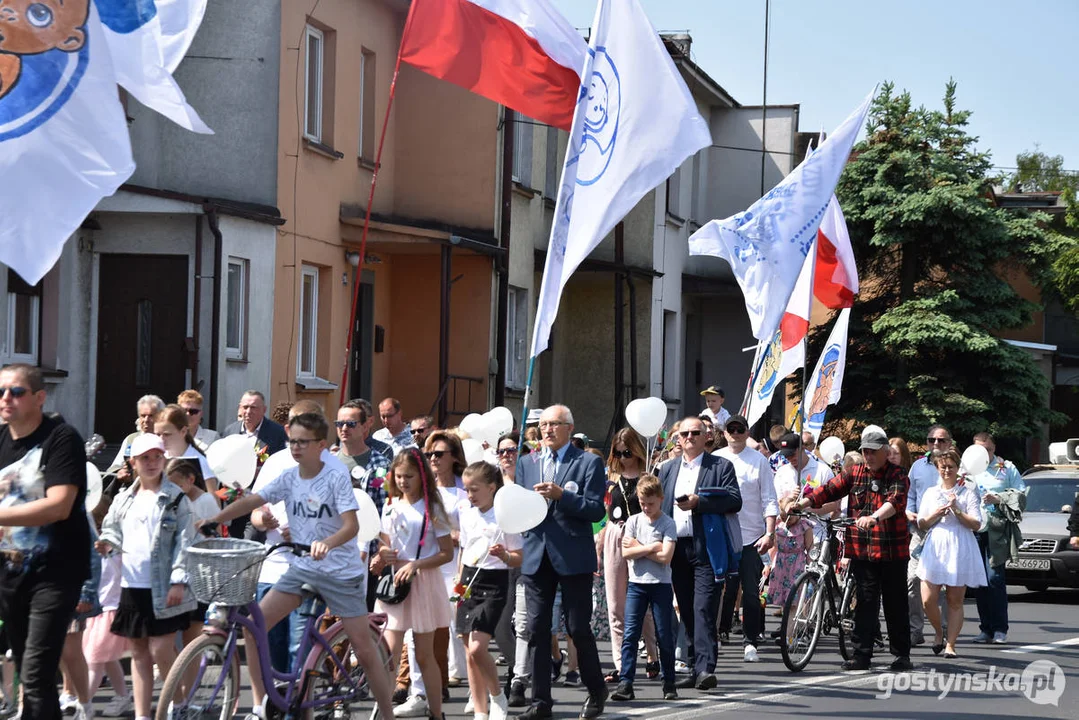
[(801, 469), (757, 519), (713, 399), (923, 476), (394, 431)]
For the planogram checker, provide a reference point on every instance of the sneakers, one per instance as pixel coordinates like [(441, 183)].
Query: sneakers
[(983, 638), (750, 654), (573, 679), (669, 693), (623, 693), (415, 706), (517, 694), (1000, 638), (470, 706), (119, 705), (556, 665), (855, 665), (497, 708), (84, 712), (680, 668), (68, 703)]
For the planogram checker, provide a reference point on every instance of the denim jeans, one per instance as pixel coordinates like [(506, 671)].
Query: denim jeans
[(993, 598), (284, 637), (639, 596)]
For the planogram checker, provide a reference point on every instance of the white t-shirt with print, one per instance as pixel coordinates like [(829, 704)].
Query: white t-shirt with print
[(479, 532), (403, 522), (314, 510)]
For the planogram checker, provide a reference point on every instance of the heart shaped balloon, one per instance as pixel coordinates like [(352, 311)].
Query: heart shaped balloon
[(369, 520), (832, 450), (473, 450), (518, 510), (646, 415), (233, 460), (975, 460), (93, 486), (474, 425)]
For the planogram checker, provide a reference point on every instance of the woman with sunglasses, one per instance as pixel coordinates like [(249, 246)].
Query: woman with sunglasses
[(507, 456), (625, 466)]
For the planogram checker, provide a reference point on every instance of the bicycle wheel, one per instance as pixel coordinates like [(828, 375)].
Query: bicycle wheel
[(328, 682), (201, 683), (846, 620), (803, 616)]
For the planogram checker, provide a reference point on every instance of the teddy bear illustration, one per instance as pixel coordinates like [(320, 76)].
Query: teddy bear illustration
[(31, 27)]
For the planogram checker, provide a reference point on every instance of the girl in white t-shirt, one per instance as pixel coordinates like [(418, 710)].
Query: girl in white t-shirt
[(487, 554), (171, 426), (415, 542), (184, 473)]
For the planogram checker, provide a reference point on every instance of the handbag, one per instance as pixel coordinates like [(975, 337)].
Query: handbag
[(387, 590)]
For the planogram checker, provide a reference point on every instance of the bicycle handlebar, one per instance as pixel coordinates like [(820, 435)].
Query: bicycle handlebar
[(297, 549), (840, 521)]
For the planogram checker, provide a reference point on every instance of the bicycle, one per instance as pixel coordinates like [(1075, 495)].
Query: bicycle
[(204, 682), (817, 603)]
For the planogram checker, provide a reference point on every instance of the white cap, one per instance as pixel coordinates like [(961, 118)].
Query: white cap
[(146, 442)]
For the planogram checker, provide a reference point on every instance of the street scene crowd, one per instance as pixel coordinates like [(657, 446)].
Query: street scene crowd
[(674, 556)]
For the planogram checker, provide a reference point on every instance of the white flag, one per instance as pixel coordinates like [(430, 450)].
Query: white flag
[(767, 244), (825, 385), (148, 39), (63, 135), (634, 125)]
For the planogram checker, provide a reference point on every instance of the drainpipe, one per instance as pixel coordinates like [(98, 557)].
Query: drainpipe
[(444, 331), (619, 330), (215, 331), (503, 263), (196, 325)]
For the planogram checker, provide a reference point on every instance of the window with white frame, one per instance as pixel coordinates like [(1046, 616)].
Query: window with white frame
[(314, 54), (367, 106), (308, 343), (236, 300), (23, 319), (522, 150), (516, 337), (553, 170)]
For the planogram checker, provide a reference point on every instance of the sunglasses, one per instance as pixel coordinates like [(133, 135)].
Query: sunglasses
[(690, 433), (436, 454), (345, 423), (507, 451), (419, 431), (624, 454), (15, 390), (736, 429), (930, 441), (192, 411)]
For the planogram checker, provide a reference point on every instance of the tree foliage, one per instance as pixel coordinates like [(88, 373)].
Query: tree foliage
[(933, 252)]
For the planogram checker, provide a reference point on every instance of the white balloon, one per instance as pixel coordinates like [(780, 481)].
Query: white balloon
[(646, 415), (473, 425), (93, 485), (473, 450), (502, 421), (518, 510), (368, 517), (832, 449), (975, 460), (233, 460)]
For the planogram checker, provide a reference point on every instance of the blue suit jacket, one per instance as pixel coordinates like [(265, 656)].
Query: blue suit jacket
[(716, 473), (272, 434), (566, 533)]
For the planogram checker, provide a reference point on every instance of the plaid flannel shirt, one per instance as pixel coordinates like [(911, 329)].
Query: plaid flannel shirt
[(889, 539)]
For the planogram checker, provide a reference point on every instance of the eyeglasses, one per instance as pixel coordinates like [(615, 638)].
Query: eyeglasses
[(419, 431), (192, 411), (624, 454), (299, 443), (436, 454), (934, 440), (345, 423), (507, 451), (15, 390), (736, 429), (690, 433), (551, 424)]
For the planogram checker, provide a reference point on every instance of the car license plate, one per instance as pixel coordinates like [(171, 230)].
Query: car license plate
[(1029, 564)]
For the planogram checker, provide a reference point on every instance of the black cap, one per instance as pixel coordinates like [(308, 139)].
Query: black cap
[(789, 444), (714, 390), (736, 419)]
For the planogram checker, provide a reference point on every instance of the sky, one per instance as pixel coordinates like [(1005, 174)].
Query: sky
[(1013, 62)]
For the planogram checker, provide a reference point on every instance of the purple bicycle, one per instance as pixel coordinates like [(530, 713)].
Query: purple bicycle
[(204, 682)]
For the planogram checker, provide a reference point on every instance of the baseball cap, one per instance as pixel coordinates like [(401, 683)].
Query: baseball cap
[(146, 442), (583, 438), (789, 444), (534, 416), (873, 438), (714, 390), (736, 419)]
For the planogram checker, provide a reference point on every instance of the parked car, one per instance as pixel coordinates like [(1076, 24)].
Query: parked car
[(1045, 559)]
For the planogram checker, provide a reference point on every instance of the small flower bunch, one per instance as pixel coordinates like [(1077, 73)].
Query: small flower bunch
[(461, 592), (228, 494), (262, 454)]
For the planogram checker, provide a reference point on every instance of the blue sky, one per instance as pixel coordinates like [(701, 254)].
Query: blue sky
[(1014, 62)]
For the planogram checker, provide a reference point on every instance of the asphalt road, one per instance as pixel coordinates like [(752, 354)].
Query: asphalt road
[(1044, 628)]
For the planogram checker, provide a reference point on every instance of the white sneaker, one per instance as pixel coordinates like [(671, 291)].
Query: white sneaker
[(68, 702), (750, 654), (119, 705), (469, 706), (84, 712), (415, 706), (680, 668), (1000, 638), (498, 709)]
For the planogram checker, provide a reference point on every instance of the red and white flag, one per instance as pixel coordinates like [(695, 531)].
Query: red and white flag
[(520, 53), (835, 280)]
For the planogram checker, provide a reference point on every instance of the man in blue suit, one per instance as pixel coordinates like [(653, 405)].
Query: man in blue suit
[(695, 485), (560, 552)]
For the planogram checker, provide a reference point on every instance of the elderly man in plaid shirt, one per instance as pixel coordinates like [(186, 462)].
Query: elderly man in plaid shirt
[(878, 545)]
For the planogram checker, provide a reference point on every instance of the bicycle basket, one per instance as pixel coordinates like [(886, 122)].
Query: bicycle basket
[(225, 570)]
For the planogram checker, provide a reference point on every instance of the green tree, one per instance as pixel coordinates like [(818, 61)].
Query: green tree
[(931, 248)]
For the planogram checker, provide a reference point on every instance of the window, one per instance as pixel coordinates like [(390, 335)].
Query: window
[(306, 355), (674, 195), (522, 150), (516, 329), (367, 106), (315, 44), (23, 319), (554, 171), (236, 295)]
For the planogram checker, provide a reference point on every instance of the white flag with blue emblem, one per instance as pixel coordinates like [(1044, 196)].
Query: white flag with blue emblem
[(767, 244), (634, 125), (825, 385), (63, 134)]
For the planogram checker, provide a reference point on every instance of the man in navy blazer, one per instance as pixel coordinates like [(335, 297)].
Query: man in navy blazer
[(256, 424), (693, 577), (560, 552)]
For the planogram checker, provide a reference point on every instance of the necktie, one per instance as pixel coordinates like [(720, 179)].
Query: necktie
[(549, 469)]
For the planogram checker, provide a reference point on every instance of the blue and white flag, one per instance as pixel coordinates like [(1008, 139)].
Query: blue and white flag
[(825, 385), (767, 244), (634, 125)]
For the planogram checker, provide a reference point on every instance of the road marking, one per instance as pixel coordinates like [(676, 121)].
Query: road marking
[(1048, 647)]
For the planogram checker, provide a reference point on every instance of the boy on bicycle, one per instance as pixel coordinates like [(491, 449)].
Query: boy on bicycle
[(322, 513)]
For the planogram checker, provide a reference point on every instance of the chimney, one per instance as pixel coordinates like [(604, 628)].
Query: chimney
[(679, 42)]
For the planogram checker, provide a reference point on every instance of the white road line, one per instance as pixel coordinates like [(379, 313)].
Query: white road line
[(1048, 647)]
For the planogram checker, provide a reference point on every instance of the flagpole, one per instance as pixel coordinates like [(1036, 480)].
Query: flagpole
[(748, 397), (524, 403)]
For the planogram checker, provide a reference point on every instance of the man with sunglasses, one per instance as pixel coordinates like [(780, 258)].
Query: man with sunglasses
[(367, 465), (693, 486), (923, 476), (421, 427), (45, 545), (757, 519)]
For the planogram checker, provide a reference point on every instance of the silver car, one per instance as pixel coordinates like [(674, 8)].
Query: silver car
[(1045, 559)]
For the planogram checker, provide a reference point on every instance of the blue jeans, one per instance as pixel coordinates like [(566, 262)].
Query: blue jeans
[(992, 599), (638, 597), (284, 637)]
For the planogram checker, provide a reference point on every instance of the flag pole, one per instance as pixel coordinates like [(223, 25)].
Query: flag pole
[(524, 403), (748, 397)]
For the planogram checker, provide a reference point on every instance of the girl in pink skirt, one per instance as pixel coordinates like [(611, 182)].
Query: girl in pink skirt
[(101, 647), (415, 542)]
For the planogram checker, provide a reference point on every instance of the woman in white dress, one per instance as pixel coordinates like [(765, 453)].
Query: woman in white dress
[(949, 513)]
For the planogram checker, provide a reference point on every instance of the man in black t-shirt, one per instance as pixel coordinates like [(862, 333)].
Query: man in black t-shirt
[(44, 534)]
